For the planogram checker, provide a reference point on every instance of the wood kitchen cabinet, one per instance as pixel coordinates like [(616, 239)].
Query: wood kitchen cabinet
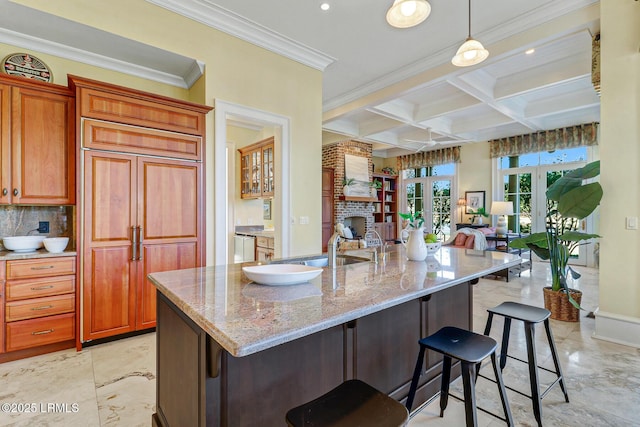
[(2, 288), (256, 169), (39, 306), (37, 132), (264, 248), (142, 215), (142, 187)]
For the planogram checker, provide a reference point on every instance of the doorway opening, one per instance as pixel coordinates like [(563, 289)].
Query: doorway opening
[(223, 176)]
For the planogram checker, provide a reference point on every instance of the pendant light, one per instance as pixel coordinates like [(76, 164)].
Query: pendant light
[(408, 13), (471, 52)]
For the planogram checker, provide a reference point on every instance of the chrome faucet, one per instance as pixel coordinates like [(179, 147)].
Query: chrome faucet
[(332, 249), (375, 251)]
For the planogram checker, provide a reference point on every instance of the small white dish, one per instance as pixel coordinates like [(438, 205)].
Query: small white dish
[(281, 274), (55, 245), (23, 244)]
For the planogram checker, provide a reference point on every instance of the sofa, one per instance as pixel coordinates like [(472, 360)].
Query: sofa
[(471, 238)]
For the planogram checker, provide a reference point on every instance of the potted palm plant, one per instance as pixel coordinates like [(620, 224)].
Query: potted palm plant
[(569, 200)]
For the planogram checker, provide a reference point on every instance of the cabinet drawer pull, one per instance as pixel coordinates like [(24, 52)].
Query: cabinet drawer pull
[(41, 288), (44, 267), (43, 307), (5, 191), (48, 331), (15, 191)]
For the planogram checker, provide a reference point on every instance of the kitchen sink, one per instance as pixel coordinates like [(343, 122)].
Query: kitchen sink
[(323, 261)]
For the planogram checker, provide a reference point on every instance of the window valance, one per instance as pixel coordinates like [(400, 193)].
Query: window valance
[(429, 158), (548, 140)]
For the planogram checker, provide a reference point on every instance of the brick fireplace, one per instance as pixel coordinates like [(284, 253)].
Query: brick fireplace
[(333, 157)]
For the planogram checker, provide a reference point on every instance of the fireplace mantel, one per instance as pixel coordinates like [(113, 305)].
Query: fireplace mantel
[(358, 199)]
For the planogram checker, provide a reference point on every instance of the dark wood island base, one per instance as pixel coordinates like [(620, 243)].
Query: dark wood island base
[(200, 384)]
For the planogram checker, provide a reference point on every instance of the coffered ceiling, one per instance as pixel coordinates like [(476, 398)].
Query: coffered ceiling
[(395, 88)]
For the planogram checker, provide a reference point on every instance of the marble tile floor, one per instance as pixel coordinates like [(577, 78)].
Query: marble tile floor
[(113, 384)]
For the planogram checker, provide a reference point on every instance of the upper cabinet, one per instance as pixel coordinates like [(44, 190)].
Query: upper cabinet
[(37, 157), (256, 169)]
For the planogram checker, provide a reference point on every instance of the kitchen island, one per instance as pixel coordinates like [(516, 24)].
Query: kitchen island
[(234, 353)]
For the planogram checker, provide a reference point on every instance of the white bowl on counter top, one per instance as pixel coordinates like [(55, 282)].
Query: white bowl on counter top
[(55, 245), (281, 274), (23, 244)]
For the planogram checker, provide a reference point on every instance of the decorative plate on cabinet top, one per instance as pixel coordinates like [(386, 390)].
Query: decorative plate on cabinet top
[(281, 274)]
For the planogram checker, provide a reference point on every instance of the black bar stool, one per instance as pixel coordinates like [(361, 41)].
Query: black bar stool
[(531, 316), (352, 403), (470, 349)]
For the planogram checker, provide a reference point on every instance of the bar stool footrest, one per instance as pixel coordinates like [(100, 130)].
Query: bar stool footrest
[(479, 408)]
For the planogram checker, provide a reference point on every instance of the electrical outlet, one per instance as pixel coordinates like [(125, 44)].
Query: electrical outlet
[(43, 227)]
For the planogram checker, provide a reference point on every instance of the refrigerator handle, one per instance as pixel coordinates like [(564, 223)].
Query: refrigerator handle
[(140, 242), (134, 246)]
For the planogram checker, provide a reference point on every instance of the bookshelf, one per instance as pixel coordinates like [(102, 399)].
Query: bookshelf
[(385, 208)]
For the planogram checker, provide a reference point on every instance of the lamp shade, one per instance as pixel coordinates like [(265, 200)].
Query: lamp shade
[(408, 13), (462, 201), (470, 53), (502, 208)]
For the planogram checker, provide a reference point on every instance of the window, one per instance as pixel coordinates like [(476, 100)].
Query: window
[(428, 190), (524, 181)]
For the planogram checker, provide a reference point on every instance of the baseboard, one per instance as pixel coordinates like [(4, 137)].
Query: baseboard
[(617, 328)]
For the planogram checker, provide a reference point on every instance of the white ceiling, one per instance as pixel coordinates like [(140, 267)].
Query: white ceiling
[(388, 86)]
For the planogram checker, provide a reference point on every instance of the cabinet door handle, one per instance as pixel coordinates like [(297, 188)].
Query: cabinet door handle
[(140, 241), (42, 307), (5, 191), (48, 331), (41, 288), (134, 243), (15, 191), (44, 267)]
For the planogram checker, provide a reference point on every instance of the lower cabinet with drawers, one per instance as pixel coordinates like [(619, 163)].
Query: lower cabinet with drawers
[(264, 248), (39, 306)]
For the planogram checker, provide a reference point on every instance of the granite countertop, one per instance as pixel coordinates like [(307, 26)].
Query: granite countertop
[(244, 317), (6, 255)]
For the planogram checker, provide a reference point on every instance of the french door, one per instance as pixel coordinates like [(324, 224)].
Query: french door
[(432, 196), (527, 187)]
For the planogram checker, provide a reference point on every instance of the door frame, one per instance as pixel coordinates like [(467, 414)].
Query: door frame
[(217, 227), (539, 202), (427, 182)]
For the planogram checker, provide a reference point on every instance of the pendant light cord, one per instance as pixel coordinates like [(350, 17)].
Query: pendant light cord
[(469, 18)]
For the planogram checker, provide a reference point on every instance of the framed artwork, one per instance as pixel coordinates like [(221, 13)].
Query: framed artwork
[(266, 209), (475, 200)]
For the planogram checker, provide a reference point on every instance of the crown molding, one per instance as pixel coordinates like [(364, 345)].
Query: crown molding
[(214, 16), (68, 52)]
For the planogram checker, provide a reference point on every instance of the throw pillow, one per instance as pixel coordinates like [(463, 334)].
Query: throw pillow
[(460, 239), (468, 243)]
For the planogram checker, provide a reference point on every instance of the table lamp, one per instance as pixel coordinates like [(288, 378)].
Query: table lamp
[(502, 209), (461, 202)]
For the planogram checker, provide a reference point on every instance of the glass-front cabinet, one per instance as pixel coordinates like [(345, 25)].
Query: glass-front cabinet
[(256, 169)]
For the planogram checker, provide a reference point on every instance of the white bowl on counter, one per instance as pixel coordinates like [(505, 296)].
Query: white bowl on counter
[(23, 244), (281, 274), (55, 245)]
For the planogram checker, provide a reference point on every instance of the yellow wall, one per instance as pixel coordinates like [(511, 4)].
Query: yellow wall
[(474, 173), (237, 72), (620, 156)]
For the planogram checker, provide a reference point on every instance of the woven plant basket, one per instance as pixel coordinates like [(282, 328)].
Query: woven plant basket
[(560, 307)]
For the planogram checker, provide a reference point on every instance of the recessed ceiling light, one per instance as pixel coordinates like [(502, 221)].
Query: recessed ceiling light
[(529, 51), (325, 6)]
